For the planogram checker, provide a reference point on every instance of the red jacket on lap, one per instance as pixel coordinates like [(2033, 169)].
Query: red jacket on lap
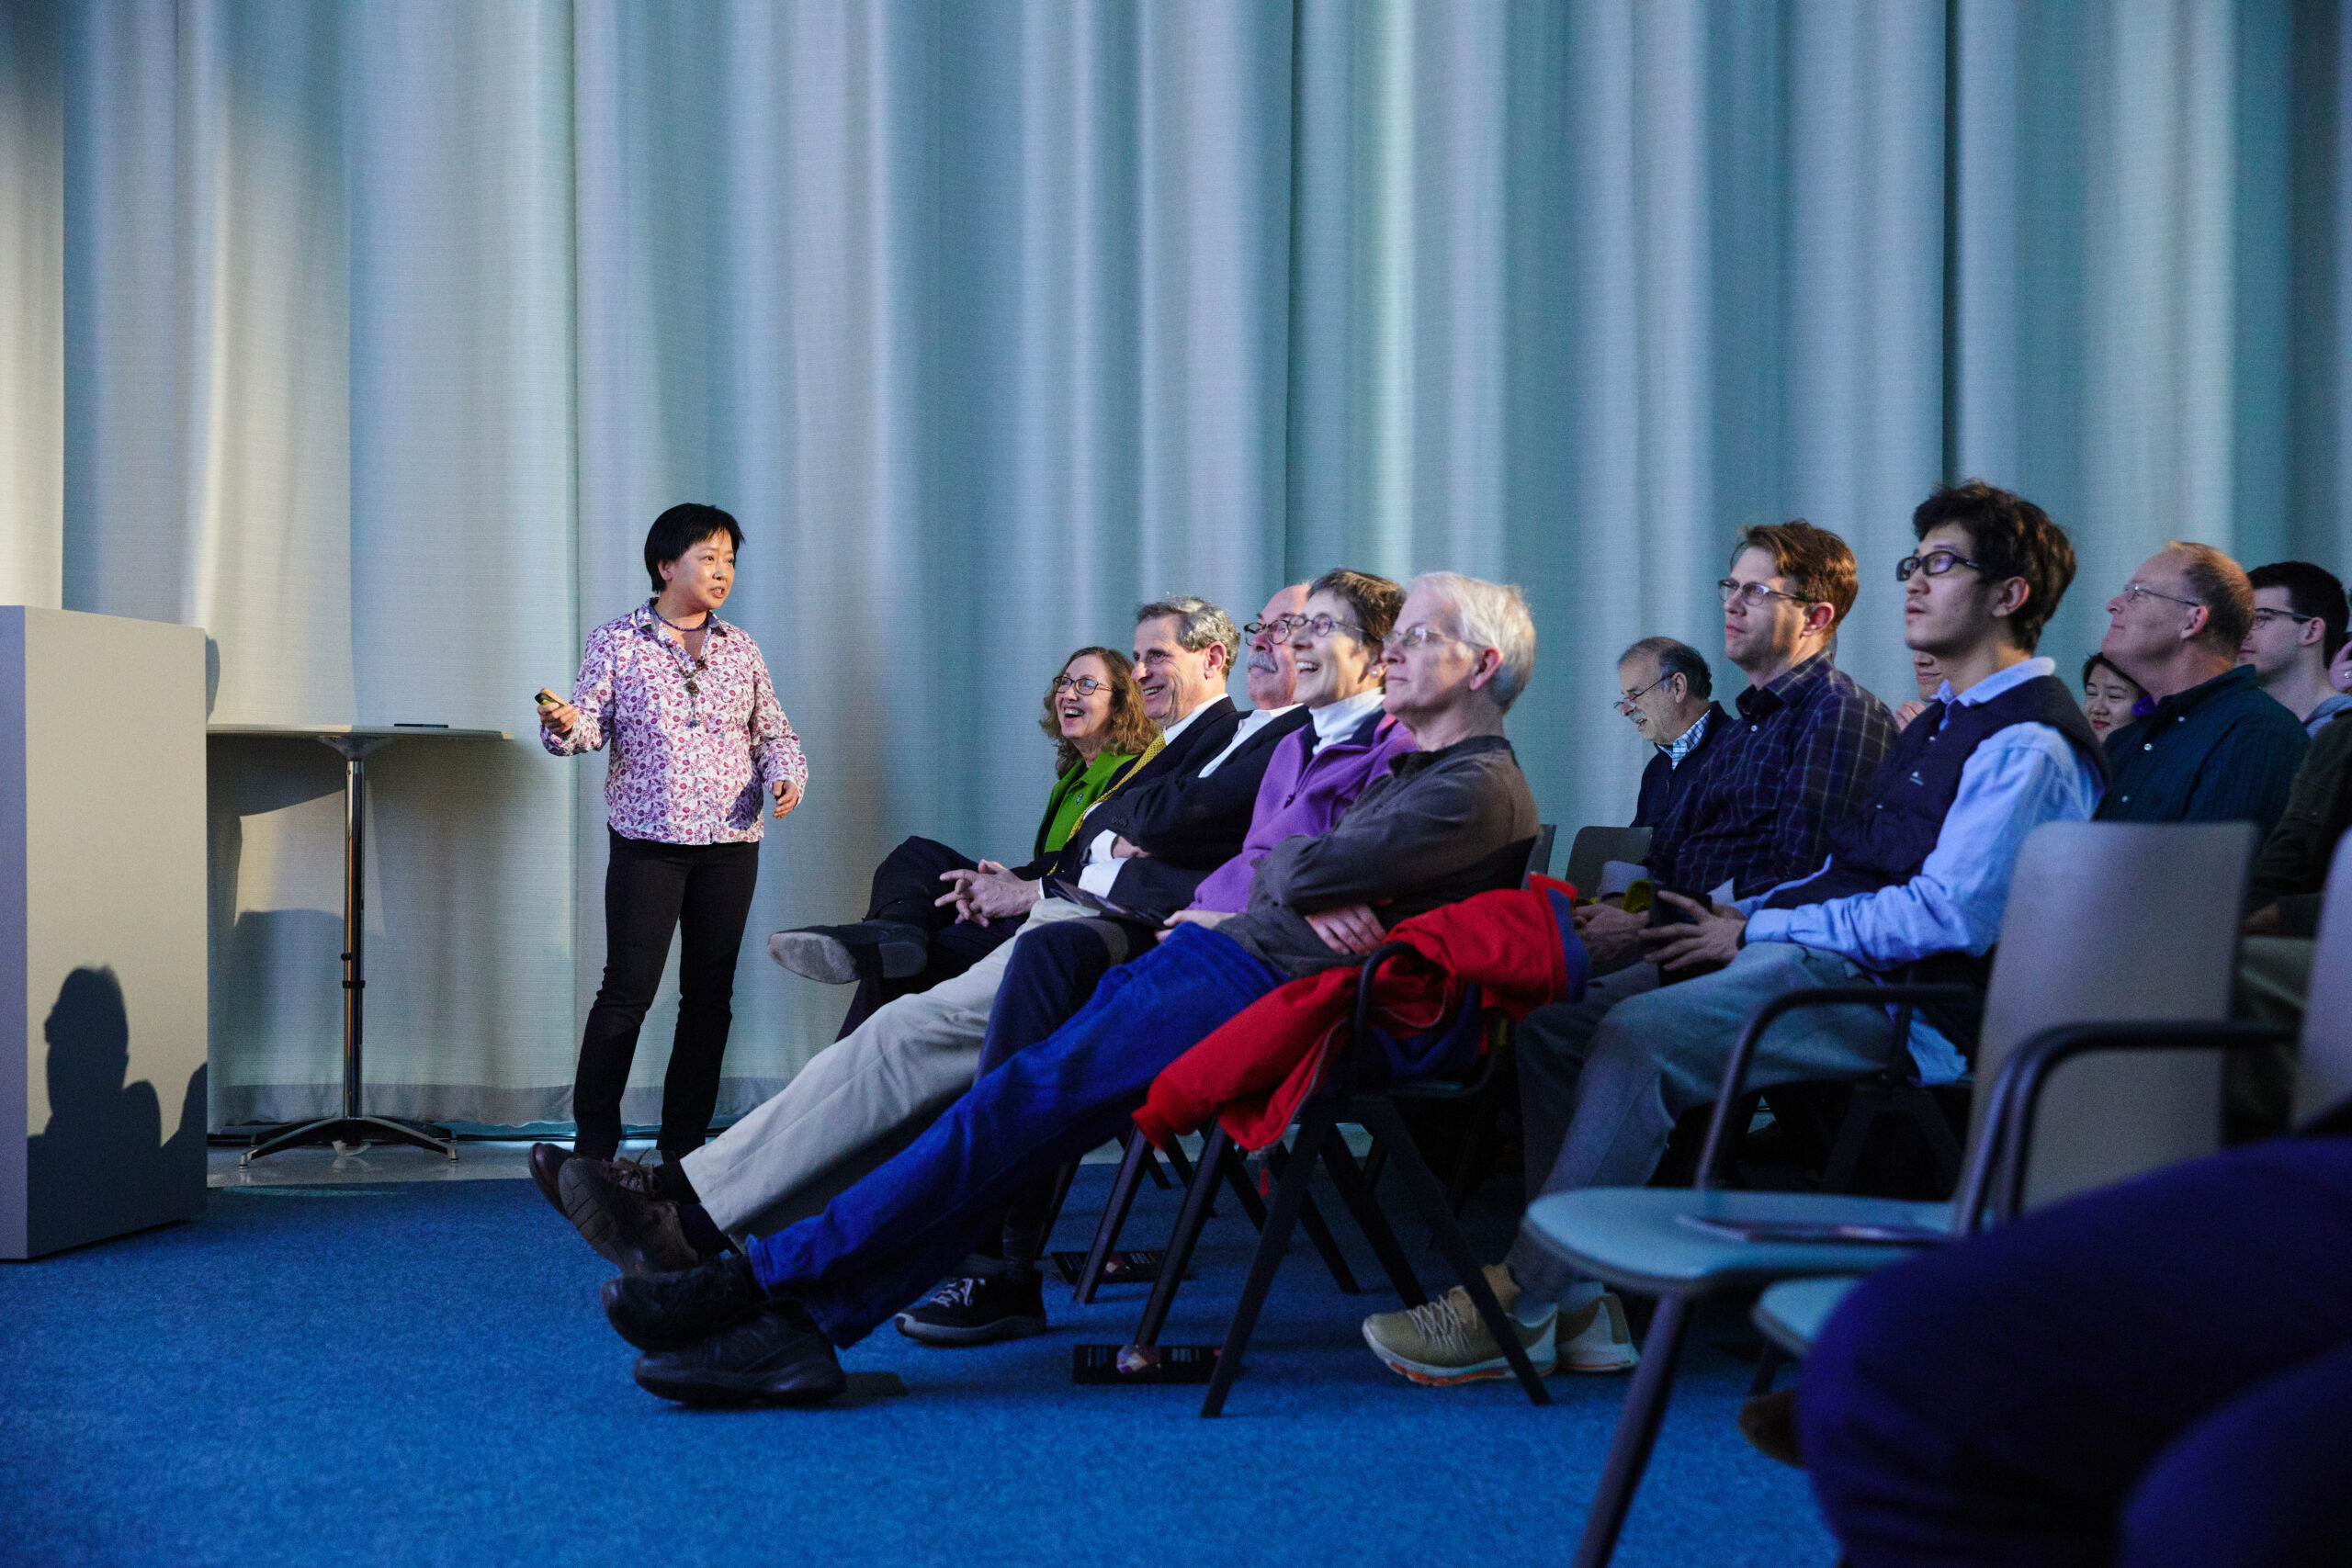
[(1516, 948)]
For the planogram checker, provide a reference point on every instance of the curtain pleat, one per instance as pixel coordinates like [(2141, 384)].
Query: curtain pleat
[(371, 337)]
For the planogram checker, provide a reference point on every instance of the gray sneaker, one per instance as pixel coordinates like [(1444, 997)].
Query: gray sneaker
[(1445, 1342), (842, 956)]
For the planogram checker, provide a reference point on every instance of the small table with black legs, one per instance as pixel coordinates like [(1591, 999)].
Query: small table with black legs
[(354, 742)]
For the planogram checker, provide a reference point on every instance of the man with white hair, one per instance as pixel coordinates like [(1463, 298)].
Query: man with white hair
[(1452, 820)]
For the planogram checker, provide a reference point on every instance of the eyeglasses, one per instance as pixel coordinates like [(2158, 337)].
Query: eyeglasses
[(1935, 563), (1291, 625), (1753, 594), (1419, 636), (1626, 703), (2264, 616), (1084, 685), (2135, 590)]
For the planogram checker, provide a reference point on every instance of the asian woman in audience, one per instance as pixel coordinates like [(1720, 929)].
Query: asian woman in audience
[(1927, 674), (2107, 695)]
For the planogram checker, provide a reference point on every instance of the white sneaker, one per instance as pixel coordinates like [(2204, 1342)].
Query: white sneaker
[(1594, 1338), (1446, 1342)]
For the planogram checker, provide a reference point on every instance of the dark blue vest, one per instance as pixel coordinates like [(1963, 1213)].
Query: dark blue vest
[(1895, 827), (1894, 830)]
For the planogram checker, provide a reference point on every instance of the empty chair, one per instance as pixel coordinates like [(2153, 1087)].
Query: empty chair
[(2105, 922)]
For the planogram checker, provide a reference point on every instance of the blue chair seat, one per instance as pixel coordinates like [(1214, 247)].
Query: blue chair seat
[(1635, 1238), (1791, 1314)]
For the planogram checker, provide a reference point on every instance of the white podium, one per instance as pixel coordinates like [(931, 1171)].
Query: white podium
[(103, 1017)]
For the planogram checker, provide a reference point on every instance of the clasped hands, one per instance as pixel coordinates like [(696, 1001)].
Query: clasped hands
[(992, 892), (1612, 939)]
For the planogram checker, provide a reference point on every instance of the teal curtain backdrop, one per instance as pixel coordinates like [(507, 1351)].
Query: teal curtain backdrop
[(370, 337)]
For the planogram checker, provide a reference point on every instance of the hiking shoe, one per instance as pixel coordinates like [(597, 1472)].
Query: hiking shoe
[(1595, 1339), (842, 956), (671, 1312), (1445, 1342), (774, 1357), (547, 1163), (618, 1211), (980, 1309)]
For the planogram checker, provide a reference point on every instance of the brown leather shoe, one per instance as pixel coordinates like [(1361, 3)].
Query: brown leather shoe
[(547, 1164), (612, 1203)]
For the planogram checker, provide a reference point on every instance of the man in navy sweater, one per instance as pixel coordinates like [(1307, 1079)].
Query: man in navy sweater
[(1919, 870)]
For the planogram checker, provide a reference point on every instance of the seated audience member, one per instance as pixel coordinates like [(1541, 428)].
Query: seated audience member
[(1919, 872), (1666, 690), (912, 936), (2299, 615), (1927, 675), (2109, 696), (2275, 958), (2212, 748), (1336, 647), (1451, 819), (857, 1102), (2055, 1391)]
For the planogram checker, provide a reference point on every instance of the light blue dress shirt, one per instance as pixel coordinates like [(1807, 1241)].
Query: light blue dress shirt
[(2015, 780)]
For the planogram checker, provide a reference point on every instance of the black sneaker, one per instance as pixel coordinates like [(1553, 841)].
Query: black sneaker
[(842, 956), (620, 1211), (669, 1311), (980, 1309), (774, 1357), (547, 1163)]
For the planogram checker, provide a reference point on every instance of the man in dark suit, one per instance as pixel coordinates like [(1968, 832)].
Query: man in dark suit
[(1667, 689), (863, 1099)]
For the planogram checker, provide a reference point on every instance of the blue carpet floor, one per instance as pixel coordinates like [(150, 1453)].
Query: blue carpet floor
[(406, 1375)]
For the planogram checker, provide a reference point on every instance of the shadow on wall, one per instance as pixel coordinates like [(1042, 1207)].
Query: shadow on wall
[(101, 1167)]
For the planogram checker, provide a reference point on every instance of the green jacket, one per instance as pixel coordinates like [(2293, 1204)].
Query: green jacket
[(2293, 867), (1073, 792)]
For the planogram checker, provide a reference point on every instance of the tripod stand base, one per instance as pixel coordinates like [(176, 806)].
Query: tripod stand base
[(341, 1130)]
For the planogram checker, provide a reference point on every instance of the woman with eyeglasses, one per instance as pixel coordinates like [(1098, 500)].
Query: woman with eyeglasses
[(1094, 711), (699, 744)]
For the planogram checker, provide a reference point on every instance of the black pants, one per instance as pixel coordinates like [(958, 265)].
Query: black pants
[(651, 889), (905, 884)]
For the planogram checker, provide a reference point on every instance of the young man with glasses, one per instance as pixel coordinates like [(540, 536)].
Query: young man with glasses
[(2211, 746), (1666, 690), (2300, 616), (1918, 876), (1790, 758)]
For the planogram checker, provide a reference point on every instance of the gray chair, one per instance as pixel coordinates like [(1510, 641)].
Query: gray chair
[(1791, 1314), (2106, 921), (1593, 848)]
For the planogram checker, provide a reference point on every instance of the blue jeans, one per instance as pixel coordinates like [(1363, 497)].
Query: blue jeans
[(2159, 1372), (880, 1245)]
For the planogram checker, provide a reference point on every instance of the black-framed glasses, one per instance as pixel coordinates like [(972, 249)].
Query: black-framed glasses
[(1084, 685), (1935, 563), (1753, 594), (2137, 591), (1279, 625), (2265, 614)]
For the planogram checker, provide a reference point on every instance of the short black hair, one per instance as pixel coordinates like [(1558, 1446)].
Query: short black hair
[(1676, 658), (2101, 661), (2008, 536), (680, 529), (2310, 590)]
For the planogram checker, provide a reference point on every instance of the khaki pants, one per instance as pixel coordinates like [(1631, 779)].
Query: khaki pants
[(2258, 1085), (857, 1102)]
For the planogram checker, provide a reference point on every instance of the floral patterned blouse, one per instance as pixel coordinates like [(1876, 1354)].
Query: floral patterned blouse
[(698, 743)]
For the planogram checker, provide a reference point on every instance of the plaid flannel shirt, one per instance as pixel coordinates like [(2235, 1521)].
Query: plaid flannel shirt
[(1792, 760)]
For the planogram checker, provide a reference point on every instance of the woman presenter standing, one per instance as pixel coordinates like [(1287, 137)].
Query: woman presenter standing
[(700, 747)]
